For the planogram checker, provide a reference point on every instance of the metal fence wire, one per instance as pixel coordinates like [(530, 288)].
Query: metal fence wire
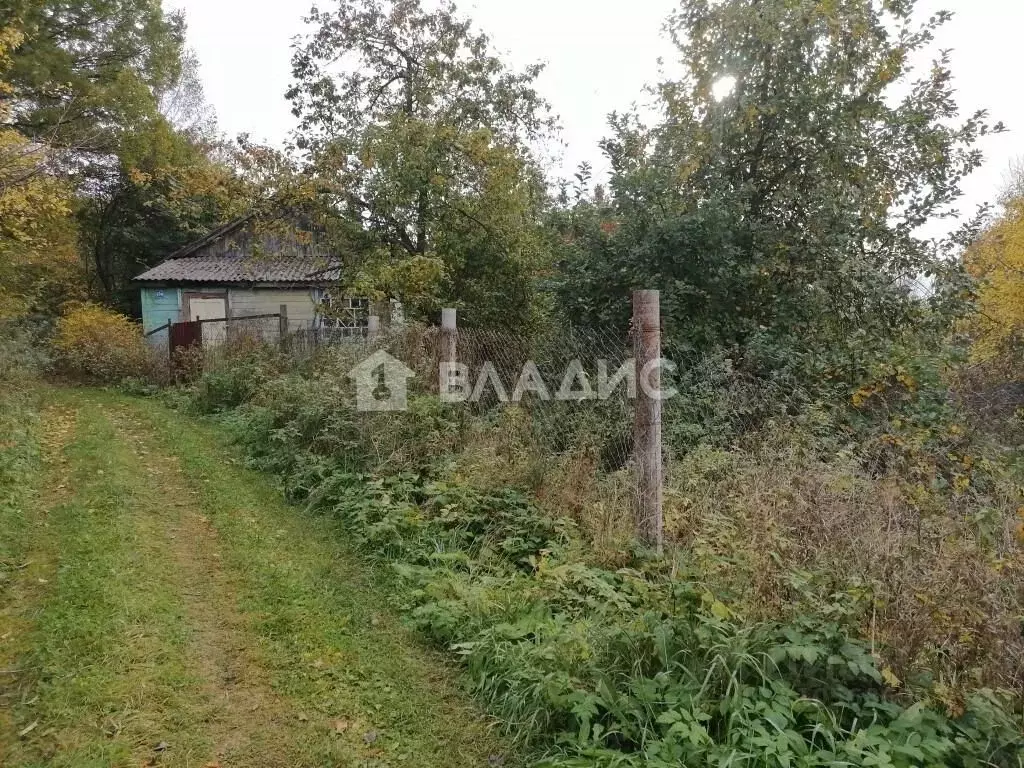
[(556, 396)]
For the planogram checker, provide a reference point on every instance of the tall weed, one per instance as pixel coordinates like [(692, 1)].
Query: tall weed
[(815, 610)]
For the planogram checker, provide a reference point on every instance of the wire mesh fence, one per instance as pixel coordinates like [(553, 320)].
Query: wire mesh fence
[(555, 409), (561, 390)]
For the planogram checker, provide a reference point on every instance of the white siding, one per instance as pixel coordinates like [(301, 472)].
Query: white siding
[(265, 301)]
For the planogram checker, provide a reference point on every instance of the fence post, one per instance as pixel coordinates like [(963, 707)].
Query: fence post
[(372, 328), (647, 425), (282, 326), (449, 335), (449, 347), (170, 350)]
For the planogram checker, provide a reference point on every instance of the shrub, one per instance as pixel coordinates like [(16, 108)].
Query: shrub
[(643, 666), (23, 351), (235, 380), (933, 577), (655, 663), (844, 586), (97, 345)]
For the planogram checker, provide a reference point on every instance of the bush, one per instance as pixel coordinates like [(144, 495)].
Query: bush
[(97, 345), (23, 350), (643, 666), (235, 381), (655, 663)]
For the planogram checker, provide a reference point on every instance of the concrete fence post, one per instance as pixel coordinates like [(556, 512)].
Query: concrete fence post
[(449, 335), (647, 425), (372, 328)]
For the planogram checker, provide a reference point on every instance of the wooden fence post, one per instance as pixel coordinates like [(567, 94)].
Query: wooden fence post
[(282, 326), (170, 350), (647, 425)]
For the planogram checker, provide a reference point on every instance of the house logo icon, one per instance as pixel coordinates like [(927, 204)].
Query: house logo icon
[(381, 383)]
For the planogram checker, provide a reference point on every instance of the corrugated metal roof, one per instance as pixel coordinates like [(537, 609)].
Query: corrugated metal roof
[(243, 268)]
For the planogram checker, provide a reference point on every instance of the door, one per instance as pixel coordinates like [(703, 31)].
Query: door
[(210, 308)]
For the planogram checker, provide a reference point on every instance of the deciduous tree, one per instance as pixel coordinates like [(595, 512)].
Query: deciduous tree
[(422, 134), (781, 192)]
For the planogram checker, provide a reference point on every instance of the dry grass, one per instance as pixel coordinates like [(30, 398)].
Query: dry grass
[(935, 580), (936, 588)]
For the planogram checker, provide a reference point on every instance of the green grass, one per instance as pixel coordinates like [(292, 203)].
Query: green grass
[(108, 674), (189, 605)]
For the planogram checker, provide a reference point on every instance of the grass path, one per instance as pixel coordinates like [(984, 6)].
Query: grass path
[(172, 610)]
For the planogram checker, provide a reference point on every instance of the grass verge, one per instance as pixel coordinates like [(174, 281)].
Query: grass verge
[(189, 617)]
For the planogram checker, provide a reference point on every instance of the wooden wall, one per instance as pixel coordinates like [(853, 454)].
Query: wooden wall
[(264, 301), (160, 305)]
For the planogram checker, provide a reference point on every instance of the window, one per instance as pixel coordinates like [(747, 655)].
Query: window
[(349, 313)]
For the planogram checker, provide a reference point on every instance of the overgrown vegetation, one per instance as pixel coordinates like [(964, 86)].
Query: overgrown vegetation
[(814, 609), (19, 361), (845, 582), (96, 345)]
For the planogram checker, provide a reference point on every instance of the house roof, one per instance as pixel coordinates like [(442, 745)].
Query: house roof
[(197, 262), (242, 268)]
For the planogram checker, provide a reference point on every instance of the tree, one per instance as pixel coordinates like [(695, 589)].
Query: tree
[(85, 90), (996, 260), (168, 187), (38, 256), (780, 194), (89, 70), (421, 135)]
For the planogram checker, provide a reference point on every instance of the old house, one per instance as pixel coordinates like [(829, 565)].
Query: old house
[(242, 270)]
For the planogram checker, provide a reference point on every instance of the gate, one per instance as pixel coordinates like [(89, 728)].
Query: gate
[(186, 334)]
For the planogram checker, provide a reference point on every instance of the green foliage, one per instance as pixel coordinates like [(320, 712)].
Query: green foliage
[(644, 665), (784, 212), (21, 359), (165, 191), (424, 137), (304, 427), (232, 385), (88, 70), (639, 667), (24, 352), (108, 158)]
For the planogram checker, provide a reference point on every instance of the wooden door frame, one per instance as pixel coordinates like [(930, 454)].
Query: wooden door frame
[(187, 296)]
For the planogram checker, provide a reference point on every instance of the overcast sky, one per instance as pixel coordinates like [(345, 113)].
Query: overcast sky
[(600, 54)]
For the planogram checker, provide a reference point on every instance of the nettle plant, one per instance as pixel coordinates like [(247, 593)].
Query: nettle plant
[(640, 666)]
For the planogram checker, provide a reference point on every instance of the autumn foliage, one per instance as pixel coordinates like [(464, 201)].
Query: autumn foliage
[(95, 344), (997, 261)]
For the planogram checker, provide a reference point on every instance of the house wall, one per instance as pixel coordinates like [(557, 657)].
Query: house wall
[(160, 305), (301, 303)]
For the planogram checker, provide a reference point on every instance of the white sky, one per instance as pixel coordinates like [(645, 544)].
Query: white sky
[(600, 54)]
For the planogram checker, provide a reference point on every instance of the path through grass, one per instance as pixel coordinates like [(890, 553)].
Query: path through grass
[(172, 610)]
